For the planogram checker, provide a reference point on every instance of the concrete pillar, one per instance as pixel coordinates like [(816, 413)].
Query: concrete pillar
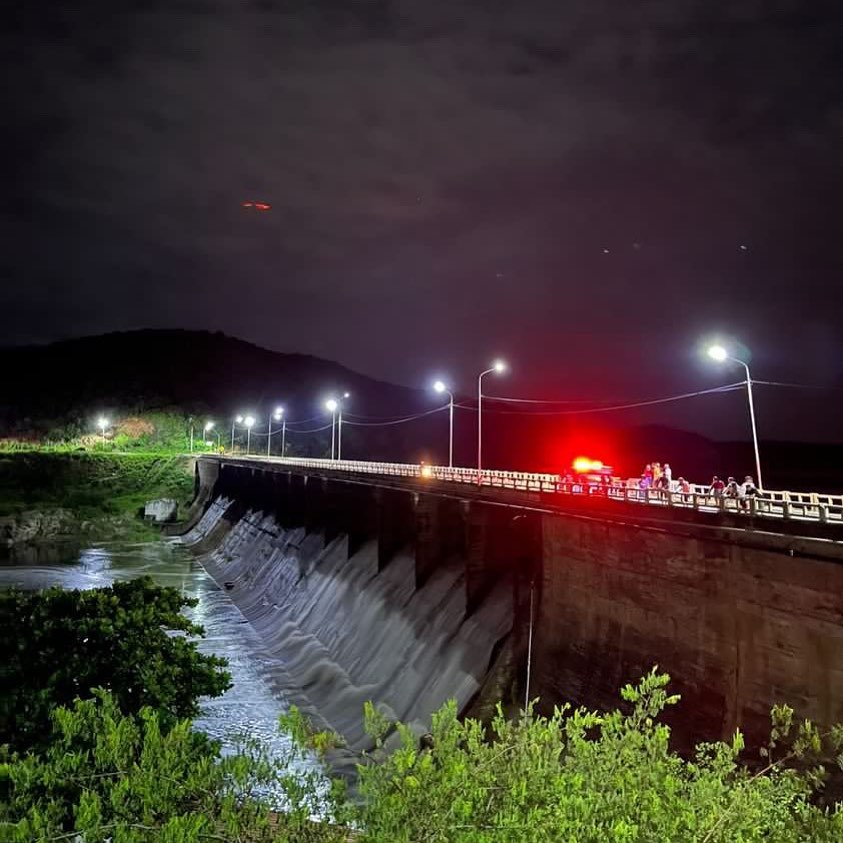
[(296, 505), (500, 543), (479, 575), (349, 511), (313, 504), (206, 477), (332, 509), (395, 523), (361, 519), (429, 544)]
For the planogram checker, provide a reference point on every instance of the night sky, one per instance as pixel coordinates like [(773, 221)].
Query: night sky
[(590, 189)]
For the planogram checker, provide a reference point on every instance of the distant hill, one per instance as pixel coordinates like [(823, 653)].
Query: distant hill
[(205, 374), (196, 371)]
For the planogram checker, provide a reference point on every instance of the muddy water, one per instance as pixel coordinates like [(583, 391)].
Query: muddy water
[(254, 702)]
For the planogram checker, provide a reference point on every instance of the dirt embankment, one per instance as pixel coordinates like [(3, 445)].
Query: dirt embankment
[(47, 496)]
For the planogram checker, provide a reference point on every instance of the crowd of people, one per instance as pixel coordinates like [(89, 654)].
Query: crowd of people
[(660, 477), (732, 489)]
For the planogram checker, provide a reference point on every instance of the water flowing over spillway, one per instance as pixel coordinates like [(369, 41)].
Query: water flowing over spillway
[(344, 632)]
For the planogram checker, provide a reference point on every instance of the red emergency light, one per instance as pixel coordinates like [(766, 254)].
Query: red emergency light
[(258, 206), (585, 465)]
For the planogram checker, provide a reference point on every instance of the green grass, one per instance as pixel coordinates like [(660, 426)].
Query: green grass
[(90, 483)]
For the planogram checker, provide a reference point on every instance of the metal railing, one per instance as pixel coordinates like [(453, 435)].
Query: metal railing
[(800, 506)]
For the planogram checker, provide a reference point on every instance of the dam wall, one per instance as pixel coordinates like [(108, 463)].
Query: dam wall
[(740, 622), (410, 594)]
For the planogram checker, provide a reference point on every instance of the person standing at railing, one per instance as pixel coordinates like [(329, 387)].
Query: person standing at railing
[(717, 486), (748, 491), (732, 492)]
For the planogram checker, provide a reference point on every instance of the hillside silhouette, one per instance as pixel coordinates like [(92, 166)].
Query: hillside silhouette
[(205, 374)]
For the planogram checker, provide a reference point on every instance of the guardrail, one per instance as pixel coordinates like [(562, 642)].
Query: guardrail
[(799, 506)]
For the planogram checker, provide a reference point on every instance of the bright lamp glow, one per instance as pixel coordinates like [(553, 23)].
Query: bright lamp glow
[(239, 419), (440, 387), (102, 421), (346, 395), (499, 366), (583, 465), (249, 421), (279, 411), (331, 405), (208, 426), (718, 353)]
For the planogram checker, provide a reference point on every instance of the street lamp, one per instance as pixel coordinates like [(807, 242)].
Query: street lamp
[(102, 424), (440, 387), (721, 355), (339, 426), (249, 421), (334, 407), (278, 415), (331, 406), (498, 367), (209, 426), (237, 420)]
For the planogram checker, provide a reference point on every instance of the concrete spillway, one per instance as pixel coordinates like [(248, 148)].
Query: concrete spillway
[(345, 631)]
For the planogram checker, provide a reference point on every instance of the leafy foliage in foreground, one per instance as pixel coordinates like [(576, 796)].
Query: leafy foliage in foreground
[(580, 776), (115, 768), (576, 776), (63, 643), (108, 776), (590, 778)]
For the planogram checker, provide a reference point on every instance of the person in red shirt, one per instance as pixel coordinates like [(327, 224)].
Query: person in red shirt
[(717, 486)]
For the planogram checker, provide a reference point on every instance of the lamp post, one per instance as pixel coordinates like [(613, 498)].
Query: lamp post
[(278, 415), (190, 420), (718, 353), (237, 420), (339, 426), (440, 387), (334, 407), (499, 367), (102, 424), (249, 421), (209, 427), (331, 406)]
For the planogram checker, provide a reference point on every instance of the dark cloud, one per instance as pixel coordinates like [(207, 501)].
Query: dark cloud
[(446, 179)]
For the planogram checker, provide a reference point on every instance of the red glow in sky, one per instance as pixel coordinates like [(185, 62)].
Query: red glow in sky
[(258, 206)]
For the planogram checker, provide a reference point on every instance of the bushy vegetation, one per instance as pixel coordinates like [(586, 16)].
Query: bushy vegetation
[(120, 768), (91, 484), (590, 777), (157, 432), (121, 638)]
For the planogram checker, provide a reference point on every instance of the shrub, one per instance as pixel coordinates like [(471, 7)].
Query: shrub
[(64, 643)]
